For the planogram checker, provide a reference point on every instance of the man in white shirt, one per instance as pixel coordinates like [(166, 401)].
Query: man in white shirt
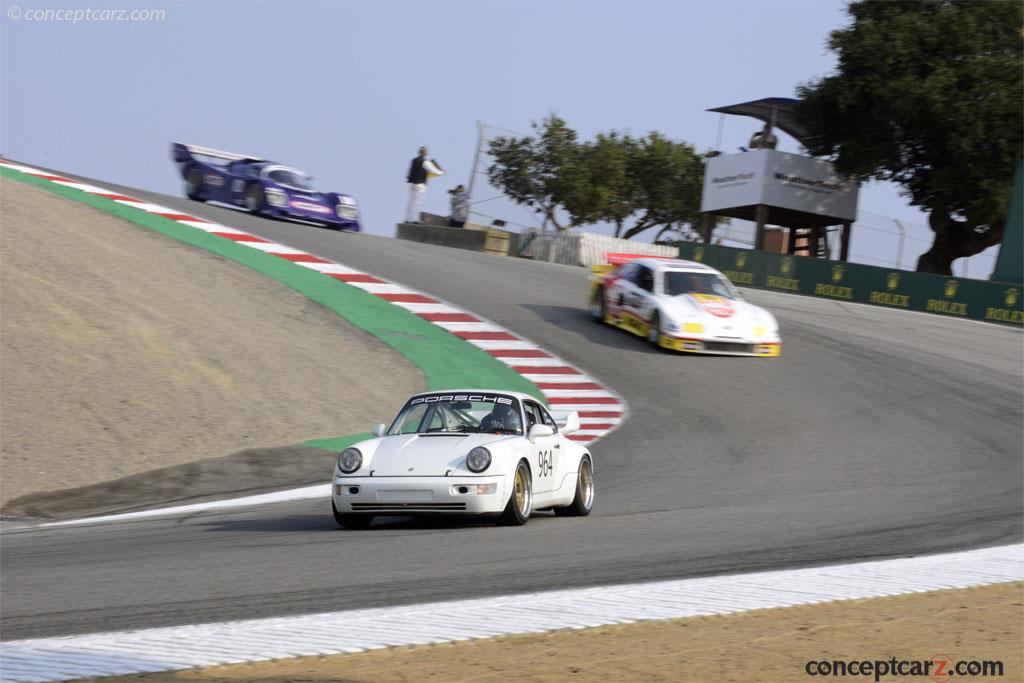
[(420, 169)]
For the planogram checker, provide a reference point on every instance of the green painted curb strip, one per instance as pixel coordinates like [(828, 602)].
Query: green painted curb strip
[(337, 443), (446, 360)]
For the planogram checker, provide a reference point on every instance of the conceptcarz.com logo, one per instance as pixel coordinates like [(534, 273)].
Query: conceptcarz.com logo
[(938, 668)]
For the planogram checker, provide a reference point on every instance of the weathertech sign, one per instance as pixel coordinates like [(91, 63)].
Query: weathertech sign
[(736, 178), (778, 179), (808, 183)]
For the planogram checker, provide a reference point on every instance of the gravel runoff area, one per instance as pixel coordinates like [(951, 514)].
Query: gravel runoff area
[(771, 645), (136, 370)]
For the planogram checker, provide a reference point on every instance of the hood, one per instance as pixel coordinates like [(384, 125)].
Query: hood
[(427, 455), (720, 316)]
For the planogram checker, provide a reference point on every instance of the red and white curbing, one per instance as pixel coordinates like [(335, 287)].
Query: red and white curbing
[(566, 387)]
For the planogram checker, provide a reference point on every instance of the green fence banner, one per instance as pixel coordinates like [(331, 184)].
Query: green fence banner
[(950, 296)]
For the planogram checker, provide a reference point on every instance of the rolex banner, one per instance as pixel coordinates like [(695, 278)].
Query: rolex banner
[(951, 296)]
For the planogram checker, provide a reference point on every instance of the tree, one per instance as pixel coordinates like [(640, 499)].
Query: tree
[(633, 183), (668, 177), (538, 171), (928, 94)]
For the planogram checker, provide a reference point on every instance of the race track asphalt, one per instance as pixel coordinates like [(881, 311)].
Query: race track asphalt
[(878, 433)]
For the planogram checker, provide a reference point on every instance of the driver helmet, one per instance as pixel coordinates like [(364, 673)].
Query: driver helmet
[(504, 417)]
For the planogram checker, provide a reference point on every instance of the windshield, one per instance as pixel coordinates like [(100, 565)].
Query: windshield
[(459, 414), (681, 282), (290, 178)]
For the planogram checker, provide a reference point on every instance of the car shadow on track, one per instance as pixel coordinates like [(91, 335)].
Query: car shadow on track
[(578, 321), (307, 523)]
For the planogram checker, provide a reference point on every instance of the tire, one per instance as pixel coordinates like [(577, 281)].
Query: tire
[(520, 501), (583, 502), (351, 521), (597, 306), (654, 333), (255, 199), (193, 183)]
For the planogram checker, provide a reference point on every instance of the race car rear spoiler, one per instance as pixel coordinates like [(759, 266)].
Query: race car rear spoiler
[(618, 259), (184, 152), (615, 259)]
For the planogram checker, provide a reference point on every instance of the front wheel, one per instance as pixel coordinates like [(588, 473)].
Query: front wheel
[(583, 502), (520, 502), (351, 521)]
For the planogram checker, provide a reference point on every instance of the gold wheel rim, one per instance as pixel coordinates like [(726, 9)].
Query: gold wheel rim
[(520, 489)]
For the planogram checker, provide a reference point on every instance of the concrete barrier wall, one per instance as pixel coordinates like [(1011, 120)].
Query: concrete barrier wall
[(583, 248), (950, 296), (486, 240)]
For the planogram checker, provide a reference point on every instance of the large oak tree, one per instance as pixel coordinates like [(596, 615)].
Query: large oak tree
[(633, 183), (928, 93)]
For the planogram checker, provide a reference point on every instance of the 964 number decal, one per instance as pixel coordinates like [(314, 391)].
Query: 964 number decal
[(544, 464)]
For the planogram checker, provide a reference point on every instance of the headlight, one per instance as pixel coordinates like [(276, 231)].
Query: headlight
[(276, 197), (670, 326), (694, 328), (347, 212), (350, 460), (479, 459)]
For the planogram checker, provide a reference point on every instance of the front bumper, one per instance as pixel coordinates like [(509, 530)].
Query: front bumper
[(330, 219), (420, 495), (720, 347)]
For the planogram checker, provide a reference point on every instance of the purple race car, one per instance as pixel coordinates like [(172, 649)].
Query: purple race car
[(260, 186)]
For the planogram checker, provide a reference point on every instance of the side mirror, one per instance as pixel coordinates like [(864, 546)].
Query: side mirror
[(539, 430), (572, 423), (379, 429)]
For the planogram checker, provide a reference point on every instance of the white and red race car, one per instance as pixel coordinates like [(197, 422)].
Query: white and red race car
[(680, 305)]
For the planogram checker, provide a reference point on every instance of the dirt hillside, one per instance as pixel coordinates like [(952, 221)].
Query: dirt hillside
[(123, 351)]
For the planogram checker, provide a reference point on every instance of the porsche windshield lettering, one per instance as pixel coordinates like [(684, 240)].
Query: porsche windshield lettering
[(461, 397)]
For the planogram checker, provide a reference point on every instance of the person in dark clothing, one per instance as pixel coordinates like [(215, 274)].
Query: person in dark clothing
[(420, 170), (460, 207)]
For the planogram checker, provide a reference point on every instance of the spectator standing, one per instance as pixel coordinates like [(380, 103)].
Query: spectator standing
[(460, 207), (420, 169)]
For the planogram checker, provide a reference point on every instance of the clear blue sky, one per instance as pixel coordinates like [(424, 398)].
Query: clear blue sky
[(348, 90)]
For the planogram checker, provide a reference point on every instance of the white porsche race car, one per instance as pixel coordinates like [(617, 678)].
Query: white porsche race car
[(465, 451), (681, 305)]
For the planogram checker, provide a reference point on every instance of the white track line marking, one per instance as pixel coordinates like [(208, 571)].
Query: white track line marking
[(165, 649), (304, 493)]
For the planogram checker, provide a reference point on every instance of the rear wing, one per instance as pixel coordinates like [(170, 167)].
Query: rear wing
[(618, 259), (615, 260), (181, 151)]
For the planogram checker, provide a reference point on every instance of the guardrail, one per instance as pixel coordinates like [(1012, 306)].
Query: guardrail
[(907, 290)]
